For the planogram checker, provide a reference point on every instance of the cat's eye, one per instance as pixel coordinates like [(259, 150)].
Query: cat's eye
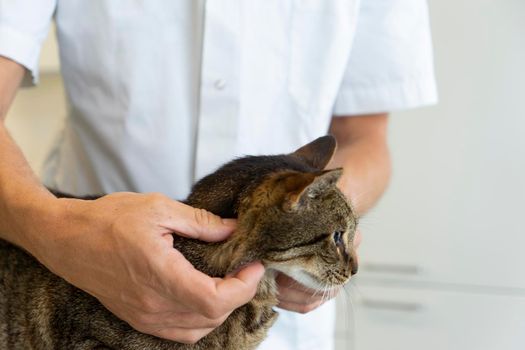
[(338, 237)]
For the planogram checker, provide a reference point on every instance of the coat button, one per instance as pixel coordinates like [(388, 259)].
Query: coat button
[(220, 84)]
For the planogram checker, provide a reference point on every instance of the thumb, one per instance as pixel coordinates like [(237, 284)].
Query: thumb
[(242, 286), (200, 224)]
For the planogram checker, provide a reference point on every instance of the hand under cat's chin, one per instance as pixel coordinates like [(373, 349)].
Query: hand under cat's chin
[(296, 297)]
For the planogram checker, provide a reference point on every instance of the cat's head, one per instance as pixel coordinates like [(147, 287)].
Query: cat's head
[(302, 224)]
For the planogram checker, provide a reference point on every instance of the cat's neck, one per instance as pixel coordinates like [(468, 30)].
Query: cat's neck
[(230, 255)]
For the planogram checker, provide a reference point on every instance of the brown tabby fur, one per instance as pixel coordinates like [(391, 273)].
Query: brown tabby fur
[(287, 209)]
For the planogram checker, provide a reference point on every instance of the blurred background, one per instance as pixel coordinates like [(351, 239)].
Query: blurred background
[(443, 256)]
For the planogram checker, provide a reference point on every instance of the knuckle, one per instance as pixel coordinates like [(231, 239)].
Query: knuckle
[(203, 217), (214, 323), (212, 311), (304, 309)]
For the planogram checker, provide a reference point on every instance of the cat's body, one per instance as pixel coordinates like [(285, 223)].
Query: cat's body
[(42, 311), (291, 217)]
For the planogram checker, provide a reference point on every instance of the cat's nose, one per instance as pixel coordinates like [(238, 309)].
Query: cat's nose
[(350, 259), (353, 265)]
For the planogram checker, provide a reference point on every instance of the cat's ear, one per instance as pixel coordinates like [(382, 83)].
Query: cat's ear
[(309, 186), (319, 152)]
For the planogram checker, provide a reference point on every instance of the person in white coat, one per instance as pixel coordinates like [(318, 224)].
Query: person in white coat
[(162, 92)]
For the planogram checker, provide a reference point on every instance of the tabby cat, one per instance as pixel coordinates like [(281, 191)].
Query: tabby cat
[(291, 217)]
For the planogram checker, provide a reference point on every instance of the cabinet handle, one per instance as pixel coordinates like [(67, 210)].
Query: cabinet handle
[(392, 305), (391, 268)]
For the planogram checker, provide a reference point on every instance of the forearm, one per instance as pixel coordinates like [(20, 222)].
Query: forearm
[(24, 203), (363, 153)]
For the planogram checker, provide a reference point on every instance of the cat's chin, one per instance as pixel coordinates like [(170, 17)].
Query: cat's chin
[(305, 278)]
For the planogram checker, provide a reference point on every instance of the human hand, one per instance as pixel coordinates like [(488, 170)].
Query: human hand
[(119, 248), (293, 296)]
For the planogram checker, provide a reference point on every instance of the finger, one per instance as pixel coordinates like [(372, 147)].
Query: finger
[(183, 320), (239, 289), (211, 297), (180, 320), (297, 296), (232, 292), (136, 321), (286, 281), (199, 223), (292, 291), (300, 308)]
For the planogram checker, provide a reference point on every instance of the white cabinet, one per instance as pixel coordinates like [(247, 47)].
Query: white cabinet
[(482, 247), (406, 319)]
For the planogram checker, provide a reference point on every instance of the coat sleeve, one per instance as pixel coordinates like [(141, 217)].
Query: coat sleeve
[(24, 25), (390, 66)]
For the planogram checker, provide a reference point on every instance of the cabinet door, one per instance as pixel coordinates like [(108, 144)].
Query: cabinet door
[(404, 319)]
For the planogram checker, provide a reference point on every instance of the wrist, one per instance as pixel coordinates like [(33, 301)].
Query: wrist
[(61, 220), (33, 221)]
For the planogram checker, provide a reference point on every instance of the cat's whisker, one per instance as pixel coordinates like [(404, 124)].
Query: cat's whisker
[(323, 294), (326, 294), (317, 291), (350, 325), (369, 221), (344, 300), (330, 292), (322, 291), (355, 288)]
